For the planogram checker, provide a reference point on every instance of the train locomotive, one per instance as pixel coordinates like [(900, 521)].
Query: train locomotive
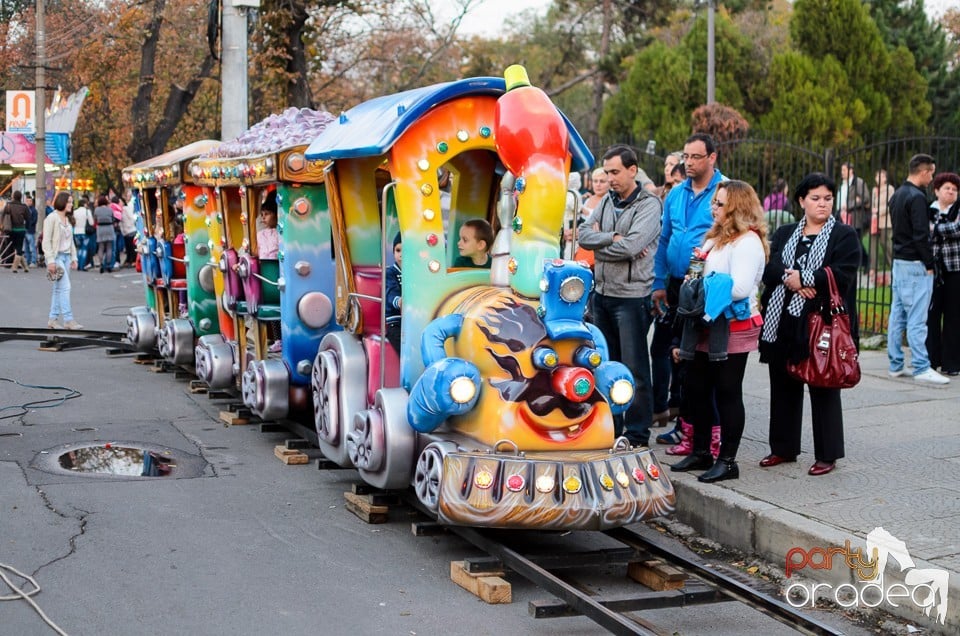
[(499, 409)]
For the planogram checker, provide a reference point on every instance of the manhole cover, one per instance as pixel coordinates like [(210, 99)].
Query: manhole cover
[(120, 459)]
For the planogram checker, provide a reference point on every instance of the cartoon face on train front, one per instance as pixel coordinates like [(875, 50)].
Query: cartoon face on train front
[(537, 392)]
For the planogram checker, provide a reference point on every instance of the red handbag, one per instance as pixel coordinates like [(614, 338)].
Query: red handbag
[(834, 362)]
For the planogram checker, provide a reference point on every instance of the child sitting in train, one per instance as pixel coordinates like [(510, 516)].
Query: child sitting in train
[(476, 239), (394, 299), (268, 246), (268, 238)]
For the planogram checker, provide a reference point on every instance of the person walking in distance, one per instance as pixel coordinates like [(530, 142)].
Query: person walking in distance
[(622, 232), (30, 238), (686, 218), (913, 266), (60, 255)]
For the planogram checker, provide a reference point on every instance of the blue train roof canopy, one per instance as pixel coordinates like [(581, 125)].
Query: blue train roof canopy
[(371, 128)]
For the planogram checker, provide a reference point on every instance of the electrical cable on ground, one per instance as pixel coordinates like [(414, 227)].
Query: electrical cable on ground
[(39, 404), (19, 594)]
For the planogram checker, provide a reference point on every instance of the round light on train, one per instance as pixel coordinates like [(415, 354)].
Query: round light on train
[(424, 165), (442, 147), (544, 285), (485, 131), (315, 310), (545, 484), (428, 214), (606, 481), (433, 266), (205, 323), (572, 289), (621, 392), (516, 483), (432, 240), (623, 479), (512, 265), (426, 189), (483, 479), (572, 484), (302, 206), (638, 475), (296, 162), (463, 135), (545, 358), (462, 390), (653, 471)]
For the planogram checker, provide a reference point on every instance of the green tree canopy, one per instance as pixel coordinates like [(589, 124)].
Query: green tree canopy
[(844, 30)]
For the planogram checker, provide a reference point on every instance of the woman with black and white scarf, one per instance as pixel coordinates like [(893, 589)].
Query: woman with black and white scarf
[(795, 284)]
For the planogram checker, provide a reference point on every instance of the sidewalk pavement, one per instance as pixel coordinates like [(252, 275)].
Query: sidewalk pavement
[(901, 472)]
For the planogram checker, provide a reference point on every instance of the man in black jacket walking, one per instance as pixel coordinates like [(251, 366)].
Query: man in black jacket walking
[(913, 265)]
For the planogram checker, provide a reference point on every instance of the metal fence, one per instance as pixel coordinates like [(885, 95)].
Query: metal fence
[(761, 158)]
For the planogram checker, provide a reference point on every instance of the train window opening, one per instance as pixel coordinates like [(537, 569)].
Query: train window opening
[(468, 185)]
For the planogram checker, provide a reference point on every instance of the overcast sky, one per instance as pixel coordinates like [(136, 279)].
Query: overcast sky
[(489, 16)]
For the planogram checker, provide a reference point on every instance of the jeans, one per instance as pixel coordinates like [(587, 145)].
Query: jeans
[(91, 250), (625, 323), (912, 290), (60, 298), (30, 248), (105, 249), (80, 240)]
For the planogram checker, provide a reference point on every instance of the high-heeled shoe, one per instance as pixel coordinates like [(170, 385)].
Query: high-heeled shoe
[(724, 468), (775, 460), (821, 468), (700, 460)]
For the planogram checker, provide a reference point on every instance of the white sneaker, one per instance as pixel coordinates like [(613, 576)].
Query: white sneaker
[(932, 377), (896, 374)]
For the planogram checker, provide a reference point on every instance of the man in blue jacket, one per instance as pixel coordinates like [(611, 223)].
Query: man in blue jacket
[(686, 218)]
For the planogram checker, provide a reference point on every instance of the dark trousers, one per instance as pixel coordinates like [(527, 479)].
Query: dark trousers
[(625, 323), (943, 324), (786, 415), (717, 382), (665, 373)]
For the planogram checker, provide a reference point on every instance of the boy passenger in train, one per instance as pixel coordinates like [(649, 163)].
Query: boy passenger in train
[(393, 294), (476, 239)]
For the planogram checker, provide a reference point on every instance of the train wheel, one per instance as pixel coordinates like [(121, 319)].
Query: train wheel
[(382, 441), (325, 382), (175, 340), (142, 328), (213, 358), (338, 382), (428, 474), (266, 388)]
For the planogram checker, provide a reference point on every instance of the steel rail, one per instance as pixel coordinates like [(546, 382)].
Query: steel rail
[(607, 618), (775, 608), (68, 336)]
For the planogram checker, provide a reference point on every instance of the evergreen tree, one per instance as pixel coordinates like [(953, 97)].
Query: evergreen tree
[(844, 30), (905, 23)]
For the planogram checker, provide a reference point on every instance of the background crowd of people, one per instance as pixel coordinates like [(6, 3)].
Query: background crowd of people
[(647, 245)]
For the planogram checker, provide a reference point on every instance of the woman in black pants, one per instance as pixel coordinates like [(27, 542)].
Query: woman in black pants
[(718, 342), (795, 283)]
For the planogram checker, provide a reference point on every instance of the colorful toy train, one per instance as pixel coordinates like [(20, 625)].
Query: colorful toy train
[(499, 408)]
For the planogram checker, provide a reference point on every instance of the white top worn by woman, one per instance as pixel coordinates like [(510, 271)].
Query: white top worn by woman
[(744, 260)]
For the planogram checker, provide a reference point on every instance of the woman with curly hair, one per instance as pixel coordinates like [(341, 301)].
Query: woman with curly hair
[(718, 338)]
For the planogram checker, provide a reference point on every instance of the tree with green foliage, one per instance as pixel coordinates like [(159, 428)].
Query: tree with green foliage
[(905, 23), (844, 30), (811, 100)]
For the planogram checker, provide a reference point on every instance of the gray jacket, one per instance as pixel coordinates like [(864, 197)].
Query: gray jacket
[(619, 270)]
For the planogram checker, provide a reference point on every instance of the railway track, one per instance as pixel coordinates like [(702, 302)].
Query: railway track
[(704, 584), (60, 339)]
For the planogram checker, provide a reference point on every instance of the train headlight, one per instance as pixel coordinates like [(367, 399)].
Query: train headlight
[(587, 357), (545, 358), (462, 390), (572, 289), (621, 392)]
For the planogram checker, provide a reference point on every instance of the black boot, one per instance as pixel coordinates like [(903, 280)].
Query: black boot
[(724, 468), (697, 460)]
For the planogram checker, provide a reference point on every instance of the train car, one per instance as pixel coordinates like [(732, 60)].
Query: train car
[(169, 276), (293, 289), (499, 409)]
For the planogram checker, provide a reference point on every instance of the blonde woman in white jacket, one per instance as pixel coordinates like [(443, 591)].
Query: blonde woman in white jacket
[(59, 249)]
